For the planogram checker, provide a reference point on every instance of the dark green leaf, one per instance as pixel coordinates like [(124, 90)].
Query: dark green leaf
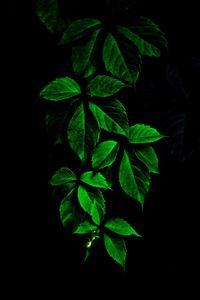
[(69, 215), (111, 116), (105, 154), (142, 134), (56, 120), (61, 89), (104, 86), (82, 56), (134, 180), (116, 248), (85, 227), (83, 133), (121, 227), (121, 59), (79, 29), (150, 32), (148, 156), (93, 203), (47, 11), (94, 179), (145, 47), (62, 176)]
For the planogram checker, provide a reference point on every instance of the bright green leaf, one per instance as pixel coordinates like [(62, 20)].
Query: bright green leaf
[(61, 89), (84, 199), (104, 154), (142, 134), (98, 207), (121, 59), (47, 11), (79, 29), (110, 115), (134, 180), (82, 56), (85, 227), (148, 156), (104, 86), (83, 133), (93, 203), (116, 248), (94, 179), (120, 226), (62, 176), (145, 47)]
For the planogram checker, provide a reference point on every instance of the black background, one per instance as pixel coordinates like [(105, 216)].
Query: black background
[(164, 262)]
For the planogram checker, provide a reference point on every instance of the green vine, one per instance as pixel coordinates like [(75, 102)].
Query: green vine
[(106, 60)]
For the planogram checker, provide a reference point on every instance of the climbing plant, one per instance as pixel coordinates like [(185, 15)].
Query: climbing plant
[(106, 59)]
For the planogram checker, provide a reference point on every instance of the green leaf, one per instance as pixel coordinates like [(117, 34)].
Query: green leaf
[(142, 134), (121, 59), (110, 115), (82, 56), (47, 11), (61, 89), (94, 179), (149, 32), (98, 208), (83, 133), (78, 29), (56, 120), (116, 248), (85, 227), (93, 203), (104, 86), (69, 215), (134, 180), (120, 226), (62, 176), (145, 47), (148, 156), (105, 154), (84, 199)]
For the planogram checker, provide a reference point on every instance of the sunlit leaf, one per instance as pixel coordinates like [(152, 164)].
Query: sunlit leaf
[(116, 248), (79, 29), (110, 115), (121, 59), (134, 180), (104, 154), (62, 176), (148, 156), (82, 59), (61, 89), (104, 86), (83, 133), (142, 134), (120, 226)]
